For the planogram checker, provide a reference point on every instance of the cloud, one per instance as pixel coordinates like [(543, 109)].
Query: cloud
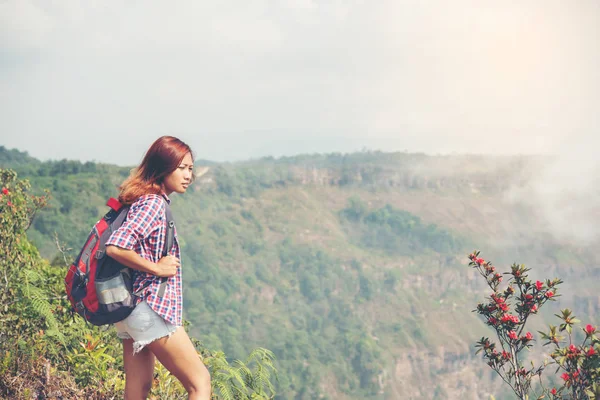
[(248, 78), (563, 192)]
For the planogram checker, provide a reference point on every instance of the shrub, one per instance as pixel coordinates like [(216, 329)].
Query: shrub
[(507, 312)]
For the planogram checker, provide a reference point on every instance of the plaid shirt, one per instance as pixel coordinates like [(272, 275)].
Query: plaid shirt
[(144, 231)]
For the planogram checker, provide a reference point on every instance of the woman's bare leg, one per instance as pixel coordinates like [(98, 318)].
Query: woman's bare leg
[(178, 355), (139, 370)]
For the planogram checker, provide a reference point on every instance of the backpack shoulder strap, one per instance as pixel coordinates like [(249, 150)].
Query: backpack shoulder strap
[(170, 229), (168, 244)]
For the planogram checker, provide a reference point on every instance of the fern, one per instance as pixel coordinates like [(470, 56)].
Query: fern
[(245, 372), (224, 390), (35, 299)]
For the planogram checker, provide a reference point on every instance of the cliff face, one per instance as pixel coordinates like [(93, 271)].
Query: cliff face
[(444, 374), (464, 173)]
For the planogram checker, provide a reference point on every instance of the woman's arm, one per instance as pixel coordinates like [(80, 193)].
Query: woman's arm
[(166, 266)]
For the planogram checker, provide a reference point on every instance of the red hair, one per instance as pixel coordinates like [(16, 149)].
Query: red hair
[(162, 158)]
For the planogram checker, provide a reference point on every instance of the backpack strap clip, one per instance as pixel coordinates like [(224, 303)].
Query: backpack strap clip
[(114, 204)]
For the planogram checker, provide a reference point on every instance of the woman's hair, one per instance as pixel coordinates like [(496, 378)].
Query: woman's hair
[(162, 158)]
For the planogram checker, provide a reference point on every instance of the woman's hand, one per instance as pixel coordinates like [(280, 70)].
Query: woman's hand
[(167, 266)]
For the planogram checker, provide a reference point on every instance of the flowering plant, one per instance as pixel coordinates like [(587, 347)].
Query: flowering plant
[(580, 364), (507, 312)]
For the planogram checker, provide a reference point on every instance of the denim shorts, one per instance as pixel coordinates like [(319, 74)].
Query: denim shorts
[(144, 326)]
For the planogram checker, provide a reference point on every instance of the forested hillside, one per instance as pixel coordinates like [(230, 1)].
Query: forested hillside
[(46, 352), (351, 268)]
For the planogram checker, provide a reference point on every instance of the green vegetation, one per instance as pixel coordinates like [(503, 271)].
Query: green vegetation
[(47, 353), (347, 266), (397, 232)]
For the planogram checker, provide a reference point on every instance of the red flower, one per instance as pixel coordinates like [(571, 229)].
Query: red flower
[(510, 318), (503, 307), (479, 261), (8, 203), (534, 308), (505, 355), (573, 349), (539, 285), (553, 391), (5, 191), (493, 321), (512, 335), (589, 329), (528, 336), (565, 377), (590, 352), (549, 294)]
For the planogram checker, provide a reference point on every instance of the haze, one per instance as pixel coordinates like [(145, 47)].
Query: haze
[(95, 80)]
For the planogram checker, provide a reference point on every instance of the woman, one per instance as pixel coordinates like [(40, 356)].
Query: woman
[(154, 328)]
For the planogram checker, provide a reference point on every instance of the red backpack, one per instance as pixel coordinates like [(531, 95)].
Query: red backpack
[(99, 288)]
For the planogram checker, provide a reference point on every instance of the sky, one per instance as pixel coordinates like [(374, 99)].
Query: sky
[(100, 80)]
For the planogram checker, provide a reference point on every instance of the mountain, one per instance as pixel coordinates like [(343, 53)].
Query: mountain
[(351, 268)]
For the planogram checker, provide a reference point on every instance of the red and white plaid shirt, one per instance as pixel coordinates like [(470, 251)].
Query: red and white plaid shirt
[(144, 231)]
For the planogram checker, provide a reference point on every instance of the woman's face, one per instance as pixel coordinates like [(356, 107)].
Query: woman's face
[(179, 180)]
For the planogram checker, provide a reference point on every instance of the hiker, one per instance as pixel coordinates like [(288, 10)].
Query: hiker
[(154, 329)]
